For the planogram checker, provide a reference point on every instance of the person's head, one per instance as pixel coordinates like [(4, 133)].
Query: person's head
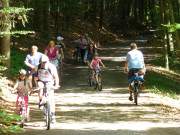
[(51, 43), (59, 38), (95, 56), (44, 59), (133, 46), (22, 74), (34, 49)]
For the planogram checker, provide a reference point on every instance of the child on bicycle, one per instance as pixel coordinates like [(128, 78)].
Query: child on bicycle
[(22, 86), (95, 65)]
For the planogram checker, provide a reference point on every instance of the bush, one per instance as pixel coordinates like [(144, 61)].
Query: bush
[(8, 123)]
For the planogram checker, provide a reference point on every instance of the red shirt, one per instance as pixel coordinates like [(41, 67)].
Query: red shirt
[(52, 53), (95, 63)]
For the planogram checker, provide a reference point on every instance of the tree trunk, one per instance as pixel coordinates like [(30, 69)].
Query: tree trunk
[(162, 13), (5, 40), (101, 16)]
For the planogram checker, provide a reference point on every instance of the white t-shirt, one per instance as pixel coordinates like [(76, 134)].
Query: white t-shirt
[(46, 73), (135, 59)]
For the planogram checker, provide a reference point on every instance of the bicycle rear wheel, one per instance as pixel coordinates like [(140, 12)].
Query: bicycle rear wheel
[(136, 95)]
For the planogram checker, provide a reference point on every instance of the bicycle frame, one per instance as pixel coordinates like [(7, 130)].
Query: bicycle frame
[(47, 105), (23, 109), (98, 80)]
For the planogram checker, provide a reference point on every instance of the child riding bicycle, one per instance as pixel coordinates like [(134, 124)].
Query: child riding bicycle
[(95, 65), (22, 86)]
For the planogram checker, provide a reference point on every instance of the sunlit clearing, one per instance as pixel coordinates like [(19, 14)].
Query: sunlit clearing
[(81, 67), (114, 58)]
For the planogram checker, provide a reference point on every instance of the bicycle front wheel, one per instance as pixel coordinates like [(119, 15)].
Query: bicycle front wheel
[(48, 116), (99, 83)]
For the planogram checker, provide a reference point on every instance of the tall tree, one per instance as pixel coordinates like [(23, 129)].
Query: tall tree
[(5, 40)]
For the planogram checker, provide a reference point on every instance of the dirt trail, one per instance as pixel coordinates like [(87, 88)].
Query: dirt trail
[(81, 110)]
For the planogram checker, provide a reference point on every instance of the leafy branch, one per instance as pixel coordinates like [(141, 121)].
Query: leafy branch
[(171, 27)]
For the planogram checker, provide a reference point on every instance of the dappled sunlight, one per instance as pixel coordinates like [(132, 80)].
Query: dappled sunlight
[(134, 126), (123, 58), (137, 126)]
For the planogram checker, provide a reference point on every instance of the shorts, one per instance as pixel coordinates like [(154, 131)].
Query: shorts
[(132, 72)]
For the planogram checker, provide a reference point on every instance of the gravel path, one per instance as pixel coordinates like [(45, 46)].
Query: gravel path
[(81, 110)]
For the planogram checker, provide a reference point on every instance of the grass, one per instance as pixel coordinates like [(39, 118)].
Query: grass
[(174, 63), (159, 84)]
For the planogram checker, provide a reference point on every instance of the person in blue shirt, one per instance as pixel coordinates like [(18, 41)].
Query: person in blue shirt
[(134, 64)]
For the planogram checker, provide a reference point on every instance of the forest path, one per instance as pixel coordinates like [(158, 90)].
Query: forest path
[(82, 110)]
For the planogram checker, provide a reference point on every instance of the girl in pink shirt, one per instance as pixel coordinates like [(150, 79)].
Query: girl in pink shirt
[(96, 62), (95, 65)]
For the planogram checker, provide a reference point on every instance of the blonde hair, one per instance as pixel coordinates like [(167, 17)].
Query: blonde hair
[(51, 42)]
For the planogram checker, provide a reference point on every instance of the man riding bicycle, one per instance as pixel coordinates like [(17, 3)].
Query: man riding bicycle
[(134, 64), (47, 75)]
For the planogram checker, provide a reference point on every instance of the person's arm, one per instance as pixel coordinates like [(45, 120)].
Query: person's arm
[(45, 51), (91, 64), (126, 64), (63, 45), (62, 53), (15, 86), (55, 75), (125, 67), (57, 54), (28, 64), (102, 63)]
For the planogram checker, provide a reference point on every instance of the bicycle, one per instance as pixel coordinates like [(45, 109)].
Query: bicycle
[(96, 79), (23, 109), (46, 103), (91, 78), (136, 82)]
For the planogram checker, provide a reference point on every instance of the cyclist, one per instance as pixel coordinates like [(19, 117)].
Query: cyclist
[(47, 73), (53, 53), (61, 46), (134, 64), (95, 65), (22, 86), (91, 50), (60, 42), (32, 62)]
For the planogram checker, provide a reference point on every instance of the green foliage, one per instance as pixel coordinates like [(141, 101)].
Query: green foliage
[(2, 68), (171, 27), (8, 123), (174, 63), (10, 16), (17, 60), (15, 10), (13, 14), (162, 85), (16, 33)]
